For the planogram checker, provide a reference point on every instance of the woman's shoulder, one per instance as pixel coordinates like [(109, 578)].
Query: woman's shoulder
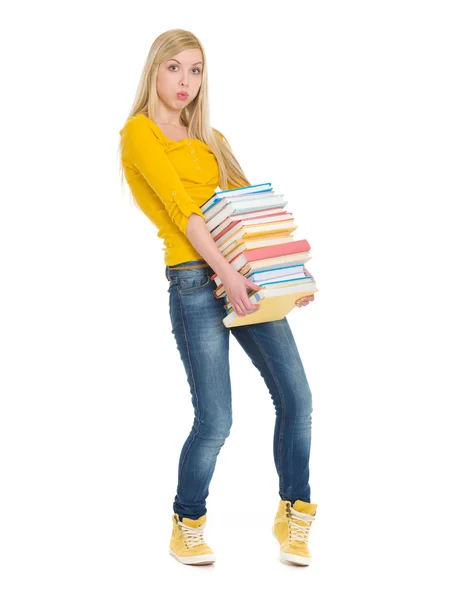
[(136, 121), (140, 124)]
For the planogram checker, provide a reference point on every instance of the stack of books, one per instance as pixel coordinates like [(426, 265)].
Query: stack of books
[(254, 233)]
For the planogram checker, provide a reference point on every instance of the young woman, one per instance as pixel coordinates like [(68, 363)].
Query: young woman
[(173, 161)]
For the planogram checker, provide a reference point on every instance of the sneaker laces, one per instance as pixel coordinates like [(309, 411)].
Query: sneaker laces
[(297, 531), (193, 536)]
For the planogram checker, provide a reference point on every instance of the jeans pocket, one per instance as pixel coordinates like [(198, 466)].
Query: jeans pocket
[(190, 283)]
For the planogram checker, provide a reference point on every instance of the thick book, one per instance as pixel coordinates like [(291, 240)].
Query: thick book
[(278, 272), (274, 304), (271, 283), (248, 189), (218, 213), (258, 241), (257, 266), (250, 231), (233, 219), (250, 243), (271, 263), (287, 286), (241, 223), (274, 251)]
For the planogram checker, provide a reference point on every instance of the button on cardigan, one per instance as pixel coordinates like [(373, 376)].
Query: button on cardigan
[(169, 181)]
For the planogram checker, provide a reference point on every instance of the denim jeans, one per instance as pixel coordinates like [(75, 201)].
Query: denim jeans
[(203, 343)]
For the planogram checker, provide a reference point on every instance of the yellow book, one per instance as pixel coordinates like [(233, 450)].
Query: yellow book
[(280, 227), (249, 231), (274, 304)]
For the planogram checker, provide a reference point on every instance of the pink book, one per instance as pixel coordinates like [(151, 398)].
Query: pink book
[(272, 251)]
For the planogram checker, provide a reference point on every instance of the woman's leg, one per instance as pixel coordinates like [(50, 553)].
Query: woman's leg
[(272, 349), (203, 343)]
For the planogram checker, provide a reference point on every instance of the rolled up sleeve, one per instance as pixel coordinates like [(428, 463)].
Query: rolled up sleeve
[(144, 151)]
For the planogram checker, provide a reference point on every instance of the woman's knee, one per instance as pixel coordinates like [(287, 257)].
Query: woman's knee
[(217, 428), (300, 405)]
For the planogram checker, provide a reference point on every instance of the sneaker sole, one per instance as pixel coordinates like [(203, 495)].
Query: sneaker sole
[(296, 559), (202, 559)]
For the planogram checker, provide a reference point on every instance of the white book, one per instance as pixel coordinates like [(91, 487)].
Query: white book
[(244, 190), (272, 274), (217, 214), (287, 260), (298, 260)]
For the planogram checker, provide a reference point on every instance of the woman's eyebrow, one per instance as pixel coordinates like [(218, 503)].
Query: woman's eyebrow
[(199, 62)]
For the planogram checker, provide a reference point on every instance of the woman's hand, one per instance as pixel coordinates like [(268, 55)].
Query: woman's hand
[(236, 286), (305, 300)]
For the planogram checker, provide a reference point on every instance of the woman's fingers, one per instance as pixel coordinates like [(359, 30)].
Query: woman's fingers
[(305, 300), (245, 309), (242, 311), (247, 305)]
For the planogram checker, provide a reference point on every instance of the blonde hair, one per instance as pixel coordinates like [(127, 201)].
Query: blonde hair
[(196, 116)]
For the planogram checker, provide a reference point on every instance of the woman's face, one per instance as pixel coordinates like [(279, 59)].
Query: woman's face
[(181, 73)]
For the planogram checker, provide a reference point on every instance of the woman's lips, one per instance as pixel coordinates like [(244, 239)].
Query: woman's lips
[(182, 96)]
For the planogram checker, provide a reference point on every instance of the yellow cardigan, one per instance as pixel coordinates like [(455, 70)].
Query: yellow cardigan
[(169, 181)]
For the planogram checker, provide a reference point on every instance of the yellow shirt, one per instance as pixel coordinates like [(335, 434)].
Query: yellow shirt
[(169, 181)]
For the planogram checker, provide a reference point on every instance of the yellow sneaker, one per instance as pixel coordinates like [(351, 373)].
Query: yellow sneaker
[(291, 529), (187, 542)]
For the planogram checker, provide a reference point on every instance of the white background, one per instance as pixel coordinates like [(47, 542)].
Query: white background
[(358, 113)]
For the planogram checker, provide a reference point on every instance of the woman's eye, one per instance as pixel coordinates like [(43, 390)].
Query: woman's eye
[(195, 69)]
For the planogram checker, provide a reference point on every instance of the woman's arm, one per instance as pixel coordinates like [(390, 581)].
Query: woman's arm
[(144, 151), (202, 240), (234, 283)]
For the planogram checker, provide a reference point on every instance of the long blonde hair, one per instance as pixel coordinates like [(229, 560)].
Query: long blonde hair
[(196, 116)]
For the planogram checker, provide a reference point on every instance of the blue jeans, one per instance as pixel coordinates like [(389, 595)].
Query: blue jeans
[(203, 343)]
